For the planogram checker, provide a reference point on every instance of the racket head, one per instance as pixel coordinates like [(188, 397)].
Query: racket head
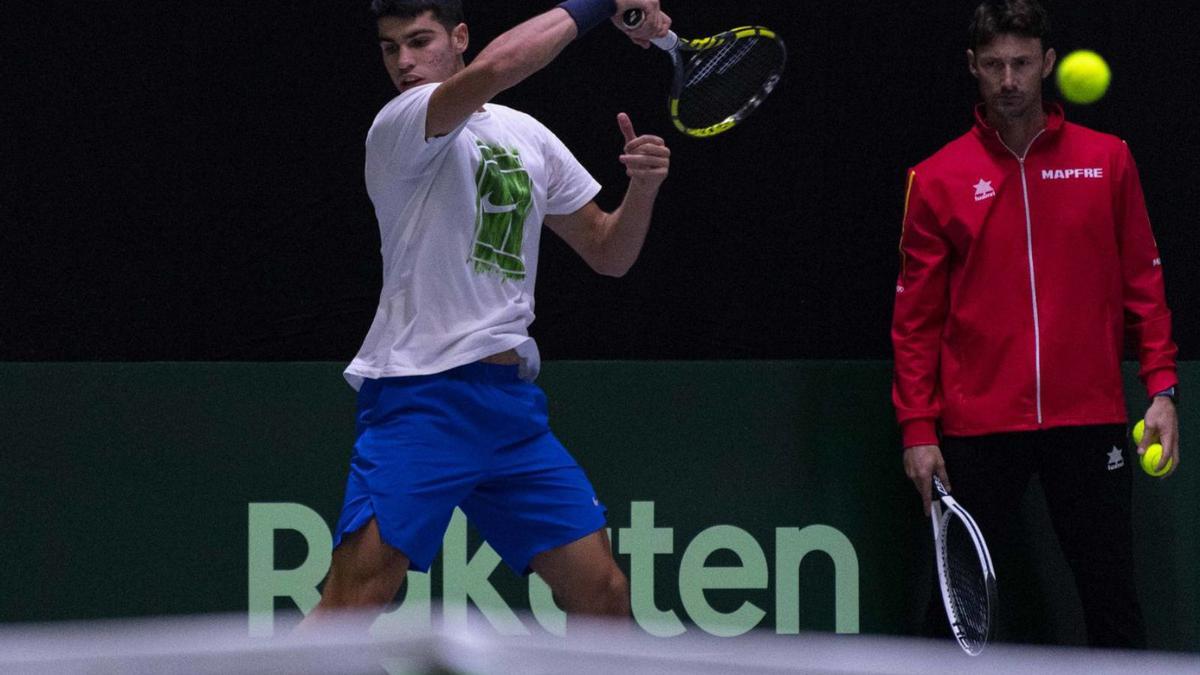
[(721, 80), (965, 575)]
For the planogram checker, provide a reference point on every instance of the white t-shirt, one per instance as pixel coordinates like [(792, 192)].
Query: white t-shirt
[(460, 219)]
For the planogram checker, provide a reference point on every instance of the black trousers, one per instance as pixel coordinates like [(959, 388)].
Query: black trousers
[(1086, 474)]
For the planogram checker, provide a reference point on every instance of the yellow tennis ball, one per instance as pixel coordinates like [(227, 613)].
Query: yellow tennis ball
[(1083, 76), (1151, 458), (1138, 430)]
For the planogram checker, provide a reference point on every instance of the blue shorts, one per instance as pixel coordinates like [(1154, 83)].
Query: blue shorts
[(476, 437)]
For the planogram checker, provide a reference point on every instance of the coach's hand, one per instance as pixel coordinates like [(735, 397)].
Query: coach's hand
[(647, 159), (654, 25), (921, 462), (1162, 423)]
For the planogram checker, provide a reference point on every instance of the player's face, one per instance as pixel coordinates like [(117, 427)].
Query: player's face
[(420, 50), (1010, 71)]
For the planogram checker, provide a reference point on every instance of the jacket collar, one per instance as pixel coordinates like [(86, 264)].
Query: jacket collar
[(1055, 118)]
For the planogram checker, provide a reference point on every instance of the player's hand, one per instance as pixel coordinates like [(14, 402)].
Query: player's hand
[(921, 462), (655, 22), (1162, 424), (647, 159)]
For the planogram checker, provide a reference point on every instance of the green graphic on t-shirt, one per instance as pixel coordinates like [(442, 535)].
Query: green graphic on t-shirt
[(504, 196)]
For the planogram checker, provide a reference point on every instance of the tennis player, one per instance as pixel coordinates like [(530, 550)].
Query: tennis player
[(1027, 257), (448, 415)]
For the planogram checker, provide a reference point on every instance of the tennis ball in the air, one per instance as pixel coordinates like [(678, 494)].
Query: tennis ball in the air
[(1138, 430), (1083, 76), (1150, 461)]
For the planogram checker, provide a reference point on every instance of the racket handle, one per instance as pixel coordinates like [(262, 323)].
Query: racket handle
[(632, 18), (939, 490)]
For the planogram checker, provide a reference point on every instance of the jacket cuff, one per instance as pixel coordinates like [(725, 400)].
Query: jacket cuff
[(920, 432), (1160, 380)]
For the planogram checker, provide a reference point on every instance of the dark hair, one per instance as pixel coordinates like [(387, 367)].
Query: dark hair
[(1024, 18), (449, 13)]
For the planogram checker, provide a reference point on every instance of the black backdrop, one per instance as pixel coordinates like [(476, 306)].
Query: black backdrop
[(183, 180)]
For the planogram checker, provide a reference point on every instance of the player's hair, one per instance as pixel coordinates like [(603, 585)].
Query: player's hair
[(449, 13), (1024, 18)]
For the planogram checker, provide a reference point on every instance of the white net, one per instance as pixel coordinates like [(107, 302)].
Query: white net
[(222, 645)]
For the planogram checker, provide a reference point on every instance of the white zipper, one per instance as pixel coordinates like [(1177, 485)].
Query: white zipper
[(1037, 331)]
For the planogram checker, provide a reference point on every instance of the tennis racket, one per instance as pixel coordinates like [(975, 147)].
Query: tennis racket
[(719, 80), (965, 572)]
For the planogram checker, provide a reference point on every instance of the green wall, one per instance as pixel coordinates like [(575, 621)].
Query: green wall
[(128, 489)]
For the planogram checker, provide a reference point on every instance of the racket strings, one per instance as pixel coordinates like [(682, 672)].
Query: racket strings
[(729, 80), (726, 57), (967, 584)]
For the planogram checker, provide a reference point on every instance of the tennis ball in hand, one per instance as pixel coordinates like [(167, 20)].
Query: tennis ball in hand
[(1083, 77), (1138, 430), (1150, 461)]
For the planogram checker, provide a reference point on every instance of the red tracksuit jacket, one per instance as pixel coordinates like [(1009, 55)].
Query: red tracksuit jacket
[(1019, 278)]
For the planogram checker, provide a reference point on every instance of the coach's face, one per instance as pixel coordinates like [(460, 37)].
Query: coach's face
[(1010, 70), (420, 50)]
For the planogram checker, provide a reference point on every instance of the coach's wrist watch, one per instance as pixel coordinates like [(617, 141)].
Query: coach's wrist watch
[(1171, 393)]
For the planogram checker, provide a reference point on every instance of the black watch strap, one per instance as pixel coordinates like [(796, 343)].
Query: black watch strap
[(1171, 392)]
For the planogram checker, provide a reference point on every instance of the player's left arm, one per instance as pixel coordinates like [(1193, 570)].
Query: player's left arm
[(610, 243), (1147, 316)]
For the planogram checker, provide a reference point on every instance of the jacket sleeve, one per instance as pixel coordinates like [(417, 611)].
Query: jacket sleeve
[(922, 302), (1147, 318)]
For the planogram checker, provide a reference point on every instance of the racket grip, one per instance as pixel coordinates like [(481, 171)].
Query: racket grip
[(939, 490), (633, 18)]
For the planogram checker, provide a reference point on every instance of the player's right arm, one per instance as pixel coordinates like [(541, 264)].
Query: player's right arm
[(920, 314), (517, 54)]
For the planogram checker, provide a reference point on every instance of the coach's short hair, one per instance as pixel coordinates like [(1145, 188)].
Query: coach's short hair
[(1024, 18), (449, 13)]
